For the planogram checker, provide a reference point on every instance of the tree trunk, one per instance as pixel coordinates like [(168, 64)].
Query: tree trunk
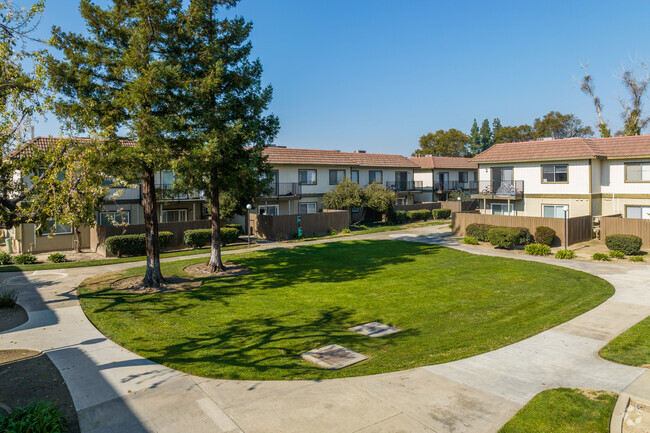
[(215, 263), (77, 239), (153, 277)]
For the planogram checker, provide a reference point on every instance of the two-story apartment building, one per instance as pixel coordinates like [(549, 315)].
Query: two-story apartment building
[(442, 174), (591, 176)]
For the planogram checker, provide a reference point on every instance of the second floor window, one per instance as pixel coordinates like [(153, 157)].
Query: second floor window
[(637, 172), (375, 176), (555, 173), (336, 176), (307, 177), (463, 177), (354, 175)]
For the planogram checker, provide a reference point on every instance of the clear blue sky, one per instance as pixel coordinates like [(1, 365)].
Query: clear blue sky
[(377, 74)]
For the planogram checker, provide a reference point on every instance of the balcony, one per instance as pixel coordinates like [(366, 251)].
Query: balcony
[(286, 190), (512, 190), (166, 192), (405, 186), (470, 186)]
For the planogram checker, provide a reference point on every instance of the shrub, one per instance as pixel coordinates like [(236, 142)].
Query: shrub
[(565, 254), (636, 259), (537, 249), (36, 417), (525, 237), (56, 258), (346, 231), (627, 244), (134, 245), (601, 256), (419, 214), (5, 259), (197, 238), (399, 216), (504, 237), (544, 235), (362, 227), (470, 240), (616, 254), (8, 298), (331, 232), (24, 259), (478, 231), (239, 227), (441, 214)]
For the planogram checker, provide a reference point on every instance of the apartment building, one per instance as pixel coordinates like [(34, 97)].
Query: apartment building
[(442, 174)]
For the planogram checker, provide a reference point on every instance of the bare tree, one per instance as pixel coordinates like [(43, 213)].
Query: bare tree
[(587, 87), (632, 115)]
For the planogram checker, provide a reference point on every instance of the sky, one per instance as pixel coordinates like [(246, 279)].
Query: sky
[(376, 74)]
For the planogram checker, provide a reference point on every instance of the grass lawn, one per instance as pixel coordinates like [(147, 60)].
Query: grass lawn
[(631, 347), (564, 410), (450, 305)]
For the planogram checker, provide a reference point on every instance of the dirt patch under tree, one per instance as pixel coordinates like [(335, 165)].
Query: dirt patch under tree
[(202, 270), (12, 317), (172, 284)]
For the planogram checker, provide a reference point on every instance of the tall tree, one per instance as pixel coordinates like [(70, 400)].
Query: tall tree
[(226, 102), (486, 135), (514, 134), (444, 143), (496, 125), (633, 118), (475, 137), (557, 125), (345, 195), (587, 87), (125, 76)]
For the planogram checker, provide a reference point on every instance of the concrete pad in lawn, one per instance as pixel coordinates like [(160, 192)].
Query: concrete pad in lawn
[(333, 357), (374, 329)]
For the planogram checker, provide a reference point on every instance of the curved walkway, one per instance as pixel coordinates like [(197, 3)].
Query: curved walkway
[(115, 390)]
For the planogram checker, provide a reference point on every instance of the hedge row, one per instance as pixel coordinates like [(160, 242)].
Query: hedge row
[(201, 237), (134, 245), (627, 244)]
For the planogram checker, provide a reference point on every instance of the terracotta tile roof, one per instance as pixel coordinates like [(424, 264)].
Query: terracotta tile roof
[(286, 156), (431, 162), (568, 148), (42, 143)]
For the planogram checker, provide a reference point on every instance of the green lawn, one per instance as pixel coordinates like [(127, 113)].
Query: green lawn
[(631, 347), (450, 305), (564, 410)]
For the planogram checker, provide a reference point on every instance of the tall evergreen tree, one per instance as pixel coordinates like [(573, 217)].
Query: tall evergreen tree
[(496, 125), (486, 135), (475, 137), (124, 77)]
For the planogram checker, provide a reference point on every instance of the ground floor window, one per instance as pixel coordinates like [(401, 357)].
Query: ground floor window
[(637, 212), (269, 209), (110, 218), (502, 209), (173, 216), (307, 208), (554, 211), (54, 228), (400, 201)]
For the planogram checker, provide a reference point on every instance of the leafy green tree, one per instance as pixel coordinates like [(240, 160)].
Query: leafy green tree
[(379, 198), (496, 126), (345, 195), (475, 137), (557, 125), (514, 134), (444, 143), (486, 135), (454, 195), (126, 75)]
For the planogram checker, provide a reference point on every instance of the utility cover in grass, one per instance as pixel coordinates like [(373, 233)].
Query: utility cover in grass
[(374, 329), (333, 357)]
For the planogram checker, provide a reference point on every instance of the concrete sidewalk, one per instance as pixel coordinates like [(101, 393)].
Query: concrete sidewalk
[(116, 390)]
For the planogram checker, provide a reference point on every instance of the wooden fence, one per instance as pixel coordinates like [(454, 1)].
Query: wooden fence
[(425, 205), (269, 227), (454, 205), (611, 225), (579, 228)]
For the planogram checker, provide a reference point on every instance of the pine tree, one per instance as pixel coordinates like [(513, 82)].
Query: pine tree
[(475, 145), (496, 125), (485, 135)]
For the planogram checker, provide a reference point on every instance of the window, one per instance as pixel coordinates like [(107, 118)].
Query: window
[(354, 175), (553, 211), (336, 176), (637, 212), (502, 209), (269, 209), (53, 228), (375, 176), (637, 172), (307, 177), (463, 177), (555, 173), (113, 218), (307, 208), (400, 201), (173, 216)]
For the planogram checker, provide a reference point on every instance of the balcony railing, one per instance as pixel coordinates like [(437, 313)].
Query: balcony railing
[(166, 192), (500, 189), (401, 186), (284, 189), (454, 185)]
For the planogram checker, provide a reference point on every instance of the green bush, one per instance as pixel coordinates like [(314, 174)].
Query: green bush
[(470, 240), (362, 227), (565, 254), (537, 249), (24, 259), (616, 254), (56, 258), (636, 259), (200, 237), (441, 214), (601, 256), (8, 298), (525, 237), (346, 231), (399, 216), (36, 417), (627, 244), (239, 227), (134, 245), (331, 232), (5, 259), (419, 214), (504, 237), (544, 235), (478, 231)]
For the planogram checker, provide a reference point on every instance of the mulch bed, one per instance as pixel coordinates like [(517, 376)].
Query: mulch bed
[(12, 317), (172, 284), (202, 270), (27, 375)]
